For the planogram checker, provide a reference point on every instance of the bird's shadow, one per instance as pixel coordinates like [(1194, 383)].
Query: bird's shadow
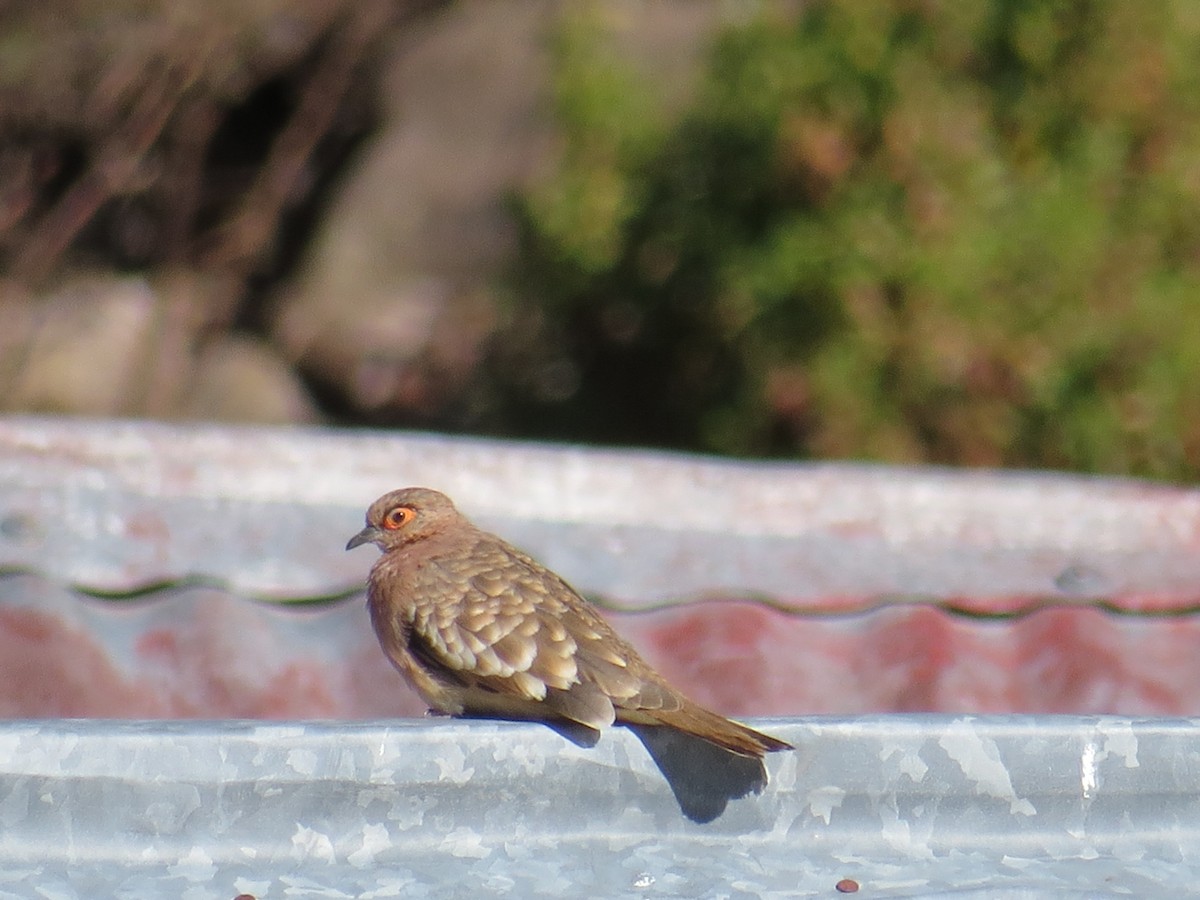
[(702, 776)]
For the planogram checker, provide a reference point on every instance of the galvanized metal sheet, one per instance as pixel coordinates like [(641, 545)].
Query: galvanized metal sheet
[(116, 506), (904, 807)]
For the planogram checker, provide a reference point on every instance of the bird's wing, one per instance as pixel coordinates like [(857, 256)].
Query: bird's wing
[(522, 633)]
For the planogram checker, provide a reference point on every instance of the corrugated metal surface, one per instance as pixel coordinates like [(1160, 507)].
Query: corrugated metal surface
[(122, 505), (826, 589)]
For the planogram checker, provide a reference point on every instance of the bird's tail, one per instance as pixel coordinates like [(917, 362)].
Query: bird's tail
[(707, 725)]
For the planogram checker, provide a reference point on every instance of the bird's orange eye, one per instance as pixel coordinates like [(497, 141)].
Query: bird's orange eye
[(398, 518)]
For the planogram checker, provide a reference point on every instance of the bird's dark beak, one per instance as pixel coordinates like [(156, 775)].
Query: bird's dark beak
[(368, 535)]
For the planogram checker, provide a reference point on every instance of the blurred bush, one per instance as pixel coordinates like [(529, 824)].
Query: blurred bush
[(912, 231)]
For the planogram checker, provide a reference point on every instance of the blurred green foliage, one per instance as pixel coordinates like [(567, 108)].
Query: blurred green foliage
[(911, 231)]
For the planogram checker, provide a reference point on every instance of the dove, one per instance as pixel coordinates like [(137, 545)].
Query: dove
[(478, 628)]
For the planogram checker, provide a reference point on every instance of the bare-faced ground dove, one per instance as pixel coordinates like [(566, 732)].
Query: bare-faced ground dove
[(478, 628)]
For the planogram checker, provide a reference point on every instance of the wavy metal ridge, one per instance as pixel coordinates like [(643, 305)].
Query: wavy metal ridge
[(266, 513)]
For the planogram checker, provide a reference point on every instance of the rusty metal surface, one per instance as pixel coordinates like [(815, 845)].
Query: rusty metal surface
[(117, 506), (201, 652)]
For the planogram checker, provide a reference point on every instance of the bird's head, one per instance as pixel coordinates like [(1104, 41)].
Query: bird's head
[(404, 517)]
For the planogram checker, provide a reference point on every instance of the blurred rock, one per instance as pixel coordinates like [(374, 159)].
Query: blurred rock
[(397, 304), (83, 349), (388, 309), (104, 345), (238, 379)]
